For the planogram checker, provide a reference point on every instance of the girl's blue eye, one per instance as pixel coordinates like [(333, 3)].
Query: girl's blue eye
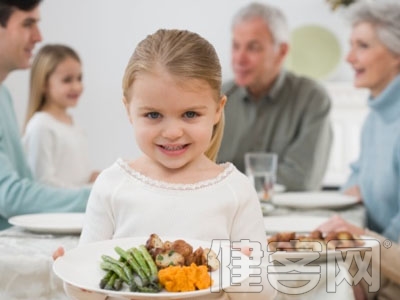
[(190, 114), (153, 115)]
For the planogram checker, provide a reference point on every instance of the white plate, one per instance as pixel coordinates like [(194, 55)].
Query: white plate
[(296, 223), (314, 200), (80, 267), (50, 222), (326, 255)]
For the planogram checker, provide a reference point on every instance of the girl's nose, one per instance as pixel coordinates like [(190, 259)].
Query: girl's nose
[(172, 131)]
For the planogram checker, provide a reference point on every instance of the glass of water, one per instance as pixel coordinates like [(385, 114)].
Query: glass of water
[(261, 170)]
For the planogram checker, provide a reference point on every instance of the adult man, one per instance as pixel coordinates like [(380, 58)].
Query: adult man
[(19, 193), (270, 109)]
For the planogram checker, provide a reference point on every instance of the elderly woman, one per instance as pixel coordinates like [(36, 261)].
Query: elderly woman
[(375, 58)]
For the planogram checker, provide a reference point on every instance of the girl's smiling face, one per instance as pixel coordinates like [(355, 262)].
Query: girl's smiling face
[(173, 119), (374, 65), (64, 86)]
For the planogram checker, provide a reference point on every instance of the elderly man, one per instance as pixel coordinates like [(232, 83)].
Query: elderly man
[(19, 192), (270, 109)]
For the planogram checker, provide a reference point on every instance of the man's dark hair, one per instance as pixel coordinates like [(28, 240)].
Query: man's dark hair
[(7, 7)]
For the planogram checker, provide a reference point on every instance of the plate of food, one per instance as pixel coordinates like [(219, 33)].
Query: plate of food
[(314, 200), (64, 223), (87, 268), (316, 245)]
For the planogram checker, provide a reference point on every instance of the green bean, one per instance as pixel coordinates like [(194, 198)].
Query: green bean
[(105, 265), (150, 262), (148, 289), (111, 281), (141, 261), (117, 284), (127, 271), (105, 279), (134, 264)]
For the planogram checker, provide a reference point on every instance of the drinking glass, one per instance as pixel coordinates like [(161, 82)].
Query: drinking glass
[(261, 170)]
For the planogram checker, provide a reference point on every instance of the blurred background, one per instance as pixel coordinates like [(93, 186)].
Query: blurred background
[(106, 32)]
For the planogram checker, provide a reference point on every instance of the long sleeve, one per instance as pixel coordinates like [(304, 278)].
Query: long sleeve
[(99, 222), (38, 142), (377, 171), (353, 178), (23, 195), (306, 158), (355, 167), (389, 258), (19, 193), (125, 203), (392, 231), (57, 153)]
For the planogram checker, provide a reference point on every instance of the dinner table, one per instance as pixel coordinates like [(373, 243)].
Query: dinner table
[(26, 261), (26, 264)]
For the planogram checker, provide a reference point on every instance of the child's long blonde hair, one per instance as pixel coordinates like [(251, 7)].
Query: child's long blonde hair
[(44, 64), (185, 55)]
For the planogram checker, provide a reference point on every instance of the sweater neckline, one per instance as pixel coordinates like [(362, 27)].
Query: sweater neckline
[(387, 103), (228, 169)]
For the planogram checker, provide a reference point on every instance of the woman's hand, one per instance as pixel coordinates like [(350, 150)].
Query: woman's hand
[(336, 223), (354, 191)]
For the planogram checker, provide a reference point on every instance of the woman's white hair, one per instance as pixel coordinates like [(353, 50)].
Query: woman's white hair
[(272, 16), (384, 15)]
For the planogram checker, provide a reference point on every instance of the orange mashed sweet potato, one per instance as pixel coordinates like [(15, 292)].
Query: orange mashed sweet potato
[(185, 279)]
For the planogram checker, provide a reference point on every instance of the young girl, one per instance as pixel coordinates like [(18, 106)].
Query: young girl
[(56, 147), (172, 94)]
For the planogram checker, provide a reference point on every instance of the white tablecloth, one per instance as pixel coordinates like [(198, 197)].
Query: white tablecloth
[(26, 265)]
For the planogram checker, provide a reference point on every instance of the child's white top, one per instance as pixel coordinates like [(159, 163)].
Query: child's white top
[(57, 153), (125, 203)]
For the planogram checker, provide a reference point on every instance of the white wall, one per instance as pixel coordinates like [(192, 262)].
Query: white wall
[(105, 32)]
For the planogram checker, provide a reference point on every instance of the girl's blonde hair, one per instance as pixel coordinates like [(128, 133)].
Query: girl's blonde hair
[(185, 55), (44, 64)]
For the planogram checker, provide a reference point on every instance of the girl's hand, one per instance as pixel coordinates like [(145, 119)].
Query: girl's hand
[(59, 252), (354, 191), (336, 223), (93, 176)]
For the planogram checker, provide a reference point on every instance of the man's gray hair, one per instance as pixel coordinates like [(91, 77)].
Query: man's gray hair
[(384, 15), (271, 15)]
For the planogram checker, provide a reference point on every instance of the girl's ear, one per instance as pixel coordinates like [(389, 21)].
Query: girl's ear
[(126, 104), (220, 109)]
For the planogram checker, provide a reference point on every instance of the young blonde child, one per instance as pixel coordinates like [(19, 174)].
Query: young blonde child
[(56, 148), (172, 94)]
